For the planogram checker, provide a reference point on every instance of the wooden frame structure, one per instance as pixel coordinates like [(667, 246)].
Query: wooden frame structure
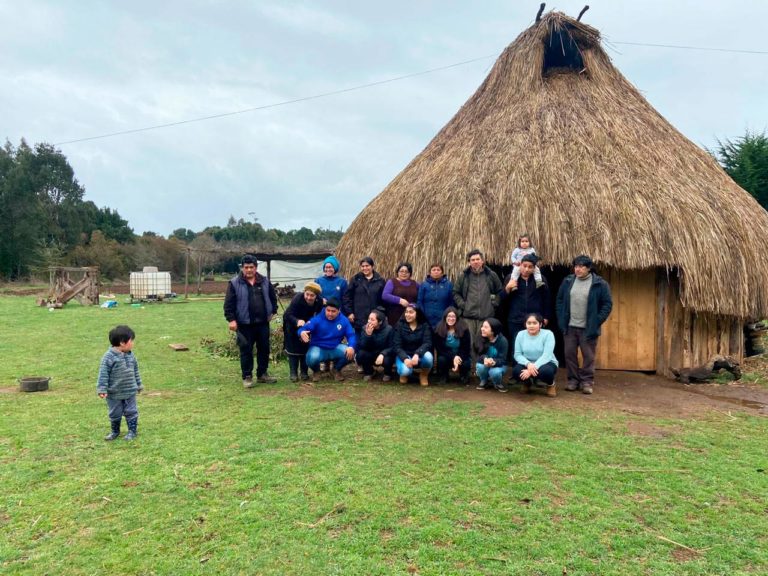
[(67, 283)]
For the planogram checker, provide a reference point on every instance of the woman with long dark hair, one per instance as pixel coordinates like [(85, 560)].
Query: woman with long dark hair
[(492, 363), (374, 348), (453, 344), (413, 345)]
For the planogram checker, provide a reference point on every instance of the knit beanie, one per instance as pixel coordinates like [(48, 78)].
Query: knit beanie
[(313, 287), (333, 262)]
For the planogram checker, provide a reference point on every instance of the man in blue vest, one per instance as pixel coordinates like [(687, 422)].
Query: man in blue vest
[(249, 306)]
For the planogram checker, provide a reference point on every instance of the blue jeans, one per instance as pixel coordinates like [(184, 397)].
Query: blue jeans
[(425, 363), (495, 374), (337, 355)]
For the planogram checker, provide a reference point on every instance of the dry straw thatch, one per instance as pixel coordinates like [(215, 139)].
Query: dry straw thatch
[(578, 158)]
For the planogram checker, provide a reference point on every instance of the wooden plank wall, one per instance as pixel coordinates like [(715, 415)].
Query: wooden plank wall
[(686, 338), (628, 340)]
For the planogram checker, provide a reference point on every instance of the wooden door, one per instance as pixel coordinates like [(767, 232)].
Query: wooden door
[(628, 340)]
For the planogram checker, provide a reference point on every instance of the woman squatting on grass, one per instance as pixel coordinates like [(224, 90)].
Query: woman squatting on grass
[(413, 345), (535, 356), (492, 363)]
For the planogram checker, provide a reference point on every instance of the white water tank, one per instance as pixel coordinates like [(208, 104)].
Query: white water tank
[(150, 285)]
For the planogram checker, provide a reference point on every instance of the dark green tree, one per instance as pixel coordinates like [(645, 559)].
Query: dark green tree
[(60, 194), (184, 234), (746, 161), (22, 222), (43, 217)]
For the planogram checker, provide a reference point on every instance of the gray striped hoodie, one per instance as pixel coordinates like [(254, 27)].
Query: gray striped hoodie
[(118, 375)]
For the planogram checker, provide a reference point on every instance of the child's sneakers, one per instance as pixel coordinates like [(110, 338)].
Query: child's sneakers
[(539, 283)]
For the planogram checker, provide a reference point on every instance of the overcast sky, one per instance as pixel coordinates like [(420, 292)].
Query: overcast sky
[(74, 69)]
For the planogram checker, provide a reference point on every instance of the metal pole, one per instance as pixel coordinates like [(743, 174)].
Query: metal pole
[(199, 272), (186, 275)]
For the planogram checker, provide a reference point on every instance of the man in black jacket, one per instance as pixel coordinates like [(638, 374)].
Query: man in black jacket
[(249, 305), (524, 297), (583, 304)]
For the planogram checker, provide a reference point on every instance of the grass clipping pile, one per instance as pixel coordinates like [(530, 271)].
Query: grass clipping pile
[(755, 368), (227, 348)]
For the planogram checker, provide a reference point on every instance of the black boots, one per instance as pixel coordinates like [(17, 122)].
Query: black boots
[(133, 424), (293, 367), (115, 431)]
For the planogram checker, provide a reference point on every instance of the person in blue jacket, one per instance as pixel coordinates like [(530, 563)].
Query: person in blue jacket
[(325, 334), (435, 295), (332, 285)]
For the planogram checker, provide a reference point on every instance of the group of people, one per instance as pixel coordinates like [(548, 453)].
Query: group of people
[(402, 328)]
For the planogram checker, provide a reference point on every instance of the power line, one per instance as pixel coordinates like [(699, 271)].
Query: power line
[(276, 104), (679, 47), (368, 85)]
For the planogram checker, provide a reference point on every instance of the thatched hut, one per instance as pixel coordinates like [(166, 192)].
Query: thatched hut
[(556, 142)]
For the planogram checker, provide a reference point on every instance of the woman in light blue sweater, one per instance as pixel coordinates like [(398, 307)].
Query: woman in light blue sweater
[(535, 356)]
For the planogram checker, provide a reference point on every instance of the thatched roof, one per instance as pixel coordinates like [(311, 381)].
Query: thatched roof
[(580, 160)]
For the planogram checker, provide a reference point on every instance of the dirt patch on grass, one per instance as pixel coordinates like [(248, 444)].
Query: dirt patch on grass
[(629, 392), (392, 393), (640, 428), (684, 555)]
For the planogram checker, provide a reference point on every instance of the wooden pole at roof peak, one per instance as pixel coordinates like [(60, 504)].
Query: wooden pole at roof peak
[(582, 13), (541, 10)]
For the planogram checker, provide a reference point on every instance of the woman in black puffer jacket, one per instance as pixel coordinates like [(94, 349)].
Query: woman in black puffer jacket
[(374, 347), (413, 345)]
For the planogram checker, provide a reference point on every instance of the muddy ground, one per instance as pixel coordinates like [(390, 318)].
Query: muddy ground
[(622, 392), (628, 392)]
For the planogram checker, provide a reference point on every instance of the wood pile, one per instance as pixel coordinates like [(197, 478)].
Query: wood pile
[(708, 371)]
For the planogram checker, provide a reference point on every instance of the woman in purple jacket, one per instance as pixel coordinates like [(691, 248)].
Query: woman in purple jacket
[(399, 291)]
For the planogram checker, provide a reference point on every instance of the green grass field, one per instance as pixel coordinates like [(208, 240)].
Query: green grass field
[(227, 481)]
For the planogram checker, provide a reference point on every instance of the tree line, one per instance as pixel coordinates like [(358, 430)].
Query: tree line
[(46, 221)]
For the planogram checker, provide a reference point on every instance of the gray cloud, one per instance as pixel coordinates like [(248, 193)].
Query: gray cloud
[(96, 68)]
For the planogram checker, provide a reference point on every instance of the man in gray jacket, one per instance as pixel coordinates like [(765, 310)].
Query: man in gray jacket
[(475, 293), (583, 303)]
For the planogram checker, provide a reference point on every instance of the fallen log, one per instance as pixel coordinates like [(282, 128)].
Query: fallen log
[(708, 371)]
